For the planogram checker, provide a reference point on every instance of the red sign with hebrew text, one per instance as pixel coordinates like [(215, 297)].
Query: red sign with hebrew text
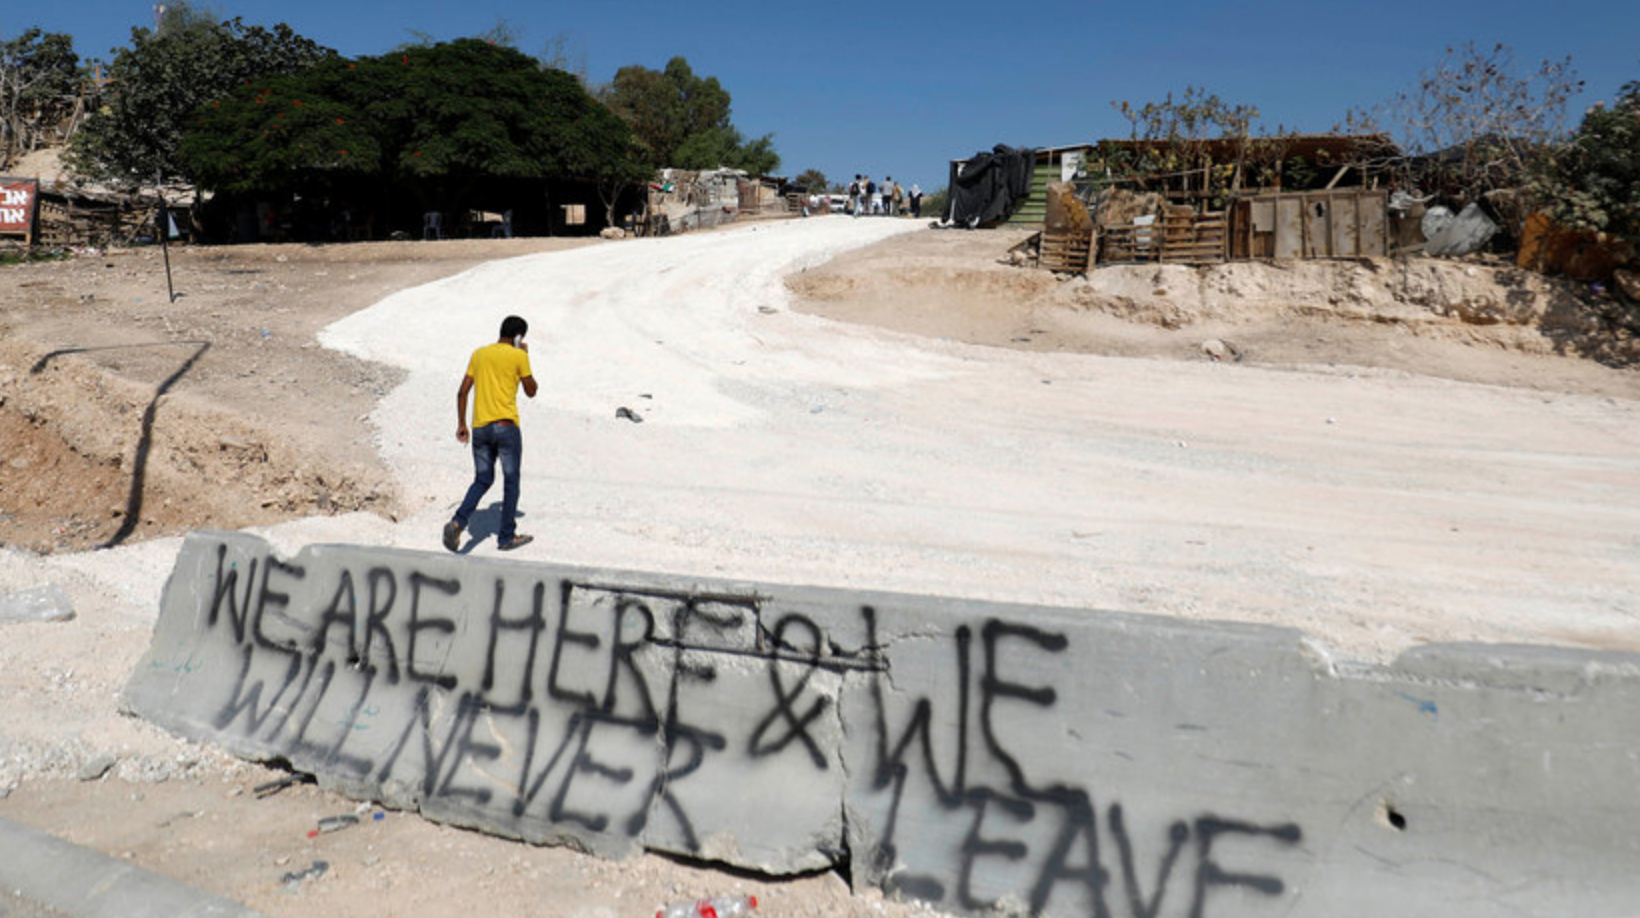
[(17, 200)]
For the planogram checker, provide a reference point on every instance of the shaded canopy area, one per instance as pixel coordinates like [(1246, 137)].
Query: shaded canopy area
[(447, 128)]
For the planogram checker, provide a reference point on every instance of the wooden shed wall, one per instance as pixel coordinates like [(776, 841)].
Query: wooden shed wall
[(1345, 223)]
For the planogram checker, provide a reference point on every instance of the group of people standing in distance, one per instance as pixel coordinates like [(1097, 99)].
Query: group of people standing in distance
[(890, 198)]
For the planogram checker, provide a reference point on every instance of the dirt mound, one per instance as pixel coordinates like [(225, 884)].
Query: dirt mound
[(100, 459), (1459, 320)]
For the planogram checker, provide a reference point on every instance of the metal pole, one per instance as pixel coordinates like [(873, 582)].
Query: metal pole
[(165, 246)]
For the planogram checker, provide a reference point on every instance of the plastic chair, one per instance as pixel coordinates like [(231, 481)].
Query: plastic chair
[(503, 230), (432, 225)]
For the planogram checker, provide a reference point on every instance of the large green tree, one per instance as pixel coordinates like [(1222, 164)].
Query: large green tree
[(434, 120), (39, 86), (166, 74), (682, 120)]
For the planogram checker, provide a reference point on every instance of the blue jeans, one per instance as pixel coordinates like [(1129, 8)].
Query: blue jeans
[(492, 442)]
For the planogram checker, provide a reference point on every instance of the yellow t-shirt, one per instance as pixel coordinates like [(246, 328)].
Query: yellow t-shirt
[(496, 370)]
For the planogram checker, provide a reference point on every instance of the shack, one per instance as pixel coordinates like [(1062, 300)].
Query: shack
[(679, 200), (1198, 201)]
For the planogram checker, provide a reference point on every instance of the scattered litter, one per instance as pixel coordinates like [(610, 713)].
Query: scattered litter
[(629, 415), (40, 604), (294, 879), (263, 791), (334, 824), (1216, 349), (715, 907), (172, 820), (1450, 234)]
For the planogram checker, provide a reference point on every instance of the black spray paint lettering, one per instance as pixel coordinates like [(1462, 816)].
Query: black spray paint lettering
[(354, 641), (793, 726), (614, 755), (1074, 857)]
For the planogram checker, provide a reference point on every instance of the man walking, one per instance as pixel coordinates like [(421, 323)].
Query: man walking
[(494, 374)]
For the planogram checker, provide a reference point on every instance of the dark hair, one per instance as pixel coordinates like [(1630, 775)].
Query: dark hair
[(513, 326)]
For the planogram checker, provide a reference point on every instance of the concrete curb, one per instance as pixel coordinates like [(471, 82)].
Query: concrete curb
[(82, 883)]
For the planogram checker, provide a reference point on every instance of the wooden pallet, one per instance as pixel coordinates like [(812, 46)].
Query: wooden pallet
[(1190, 238), (1128, 243), (1066, 251), (1180, 237)]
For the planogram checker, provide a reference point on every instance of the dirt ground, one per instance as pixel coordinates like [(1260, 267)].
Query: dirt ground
[(126, 414), (254, 422), (1475, 322)]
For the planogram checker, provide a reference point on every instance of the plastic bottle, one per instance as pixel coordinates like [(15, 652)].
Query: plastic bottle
[(715, 907)]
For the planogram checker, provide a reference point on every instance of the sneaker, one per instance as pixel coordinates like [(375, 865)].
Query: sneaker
[(452, 535), (516, 541)]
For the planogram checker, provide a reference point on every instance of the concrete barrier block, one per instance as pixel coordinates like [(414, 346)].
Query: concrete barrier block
[(989, 758), (608, 713)]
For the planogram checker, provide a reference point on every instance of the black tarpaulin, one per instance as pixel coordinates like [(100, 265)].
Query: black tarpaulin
[(990, 186)]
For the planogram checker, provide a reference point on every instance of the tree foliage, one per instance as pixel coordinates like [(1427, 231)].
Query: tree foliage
[(157, 83), (682, 120), (1195, 117), (444, 115), (814, 180), (724, 147), (1173, 138), (39, 88), (1475, 124), (1593, 181)]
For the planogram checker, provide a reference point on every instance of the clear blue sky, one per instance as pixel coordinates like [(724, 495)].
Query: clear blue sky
[(902, 87)]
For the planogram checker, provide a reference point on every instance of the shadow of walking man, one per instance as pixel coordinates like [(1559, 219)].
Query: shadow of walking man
[(485, 523)]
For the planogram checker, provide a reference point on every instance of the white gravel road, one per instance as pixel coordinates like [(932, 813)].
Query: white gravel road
[(1372, 510)]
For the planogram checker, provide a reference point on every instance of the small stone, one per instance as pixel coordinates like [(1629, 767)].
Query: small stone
[(94, 769), (41, 604), (1627, 282)]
